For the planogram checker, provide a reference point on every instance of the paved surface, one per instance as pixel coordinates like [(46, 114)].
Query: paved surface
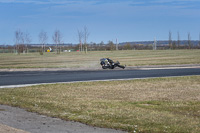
[(37, 77), (34, 123), (7, 129)]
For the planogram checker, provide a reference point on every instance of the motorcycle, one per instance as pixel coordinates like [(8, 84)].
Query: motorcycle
[(107, 63)]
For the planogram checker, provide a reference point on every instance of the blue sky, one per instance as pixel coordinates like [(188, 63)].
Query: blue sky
[(126, 20)]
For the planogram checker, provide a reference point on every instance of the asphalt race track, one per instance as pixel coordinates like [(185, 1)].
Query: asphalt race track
[(37, 77)]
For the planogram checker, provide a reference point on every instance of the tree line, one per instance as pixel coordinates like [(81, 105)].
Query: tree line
[(176, 44), (23, 43), (23, 40)]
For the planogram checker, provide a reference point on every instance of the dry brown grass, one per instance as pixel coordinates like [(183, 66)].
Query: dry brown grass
[(148, 105), (77, 60)]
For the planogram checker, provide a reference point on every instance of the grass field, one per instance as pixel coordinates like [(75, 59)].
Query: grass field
[(146, 105), (91, 60)]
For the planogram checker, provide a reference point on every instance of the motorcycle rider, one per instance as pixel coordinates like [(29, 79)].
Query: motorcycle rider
[(108, 63)]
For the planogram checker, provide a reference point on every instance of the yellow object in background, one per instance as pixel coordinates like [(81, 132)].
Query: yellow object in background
[(48, 50)]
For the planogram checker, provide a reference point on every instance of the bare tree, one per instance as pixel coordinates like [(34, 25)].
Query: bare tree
[(43, 40), (189, 41), (27, 40), (170, 39), (80, 37), (127, 46), (117, 45), (178, 39), (19, 40), (86, 35), (174, 45), (199, 39), (57, 40), (155, 44), (111, 45), (101, 45)]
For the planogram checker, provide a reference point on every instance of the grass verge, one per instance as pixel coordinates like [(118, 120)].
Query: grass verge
[(146, 105)]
